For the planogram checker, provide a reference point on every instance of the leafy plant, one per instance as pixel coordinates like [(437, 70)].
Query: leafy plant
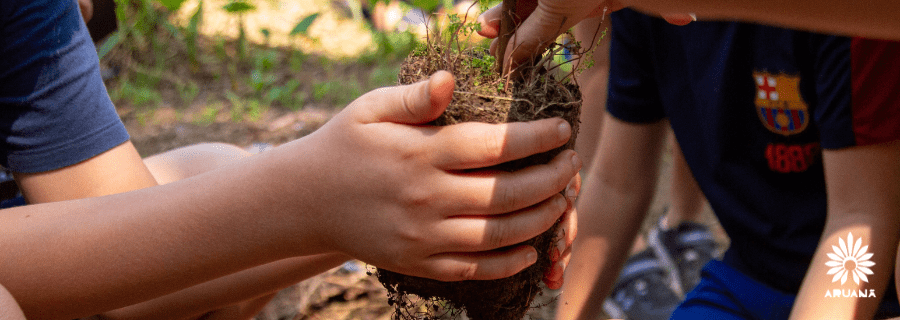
[(285, 95), (239, 8), (192, 32)]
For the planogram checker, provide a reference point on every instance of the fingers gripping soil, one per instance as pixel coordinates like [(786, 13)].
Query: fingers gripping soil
[(501, 142), (483, 266), (536, 182)]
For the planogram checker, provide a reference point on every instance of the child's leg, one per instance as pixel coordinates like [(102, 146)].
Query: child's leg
[(681, 242), (686, 201)]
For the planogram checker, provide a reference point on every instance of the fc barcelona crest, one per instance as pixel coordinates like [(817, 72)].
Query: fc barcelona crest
[(778, 103)]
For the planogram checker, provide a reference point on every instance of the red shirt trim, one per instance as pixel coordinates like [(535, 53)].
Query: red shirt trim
[(875, 74)]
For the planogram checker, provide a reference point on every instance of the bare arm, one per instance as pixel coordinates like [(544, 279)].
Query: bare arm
[(868, 18), (871, 18), (863, 199), (303, 198), (121, 169), (231, 289), (617, 192)]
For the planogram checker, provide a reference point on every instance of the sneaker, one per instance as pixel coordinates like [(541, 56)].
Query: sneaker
[(642, 290), (683, 251)]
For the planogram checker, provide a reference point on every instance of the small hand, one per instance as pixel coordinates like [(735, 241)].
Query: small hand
[(412, 198), (542, 22)]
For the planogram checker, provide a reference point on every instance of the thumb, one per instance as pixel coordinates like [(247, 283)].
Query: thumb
[(416, 103)]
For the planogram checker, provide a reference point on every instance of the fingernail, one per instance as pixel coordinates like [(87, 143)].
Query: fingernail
[(559, 272), (563, 131), (562, 202), (576, 161), (531, 257), (554, 273), (693, 16), (570, 193), (561, 244)]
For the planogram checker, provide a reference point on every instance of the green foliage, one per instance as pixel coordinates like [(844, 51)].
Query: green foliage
[(188, 92), (296, 60), (266, 34), (136, 93), (260, 80), (429, 6), (391, 46), (426, 5), (239, 7), (336, 92), (251, 109), (172, 5), (111, 42), (459, 28), (302, 27), (191, 33), (163, 57), (383, 76), (485, 65), (208, 115), (265, 60), (286, 95)]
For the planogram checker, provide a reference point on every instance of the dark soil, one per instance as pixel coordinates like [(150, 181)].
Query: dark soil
[(479, 96)]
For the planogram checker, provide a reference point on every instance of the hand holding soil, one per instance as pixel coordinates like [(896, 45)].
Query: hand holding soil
[(431, 211)]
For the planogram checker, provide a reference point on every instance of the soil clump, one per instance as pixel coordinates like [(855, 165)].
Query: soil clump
[(482, 95)]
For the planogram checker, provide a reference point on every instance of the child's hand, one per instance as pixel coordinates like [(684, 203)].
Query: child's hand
[(411, 198), (542, 21)]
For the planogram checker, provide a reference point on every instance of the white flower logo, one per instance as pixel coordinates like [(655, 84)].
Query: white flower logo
[(850, 258)]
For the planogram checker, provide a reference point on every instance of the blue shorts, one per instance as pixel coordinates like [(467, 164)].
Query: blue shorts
[(13, 202), (725, 293)]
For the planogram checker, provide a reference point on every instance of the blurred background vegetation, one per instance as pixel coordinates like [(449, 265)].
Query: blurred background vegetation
[(240, 70), (242, 57)]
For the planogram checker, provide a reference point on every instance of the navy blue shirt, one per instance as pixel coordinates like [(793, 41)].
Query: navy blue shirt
[(54, 108), (751, 107)]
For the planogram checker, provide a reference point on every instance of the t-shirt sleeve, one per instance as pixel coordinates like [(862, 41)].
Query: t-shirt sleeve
[(860, 107), (633, 95), (875, 76), (54, 108)]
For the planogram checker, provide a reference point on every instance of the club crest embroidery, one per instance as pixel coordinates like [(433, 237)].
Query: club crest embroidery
[(778, 103)]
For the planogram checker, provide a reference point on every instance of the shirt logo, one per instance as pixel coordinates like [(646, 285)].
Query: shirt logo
[(850, 259), (778, 103)]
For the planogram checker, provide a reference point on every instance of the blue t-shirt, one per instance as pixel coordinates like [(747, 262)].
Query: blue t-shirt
[(54, 108), (752, 107)]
